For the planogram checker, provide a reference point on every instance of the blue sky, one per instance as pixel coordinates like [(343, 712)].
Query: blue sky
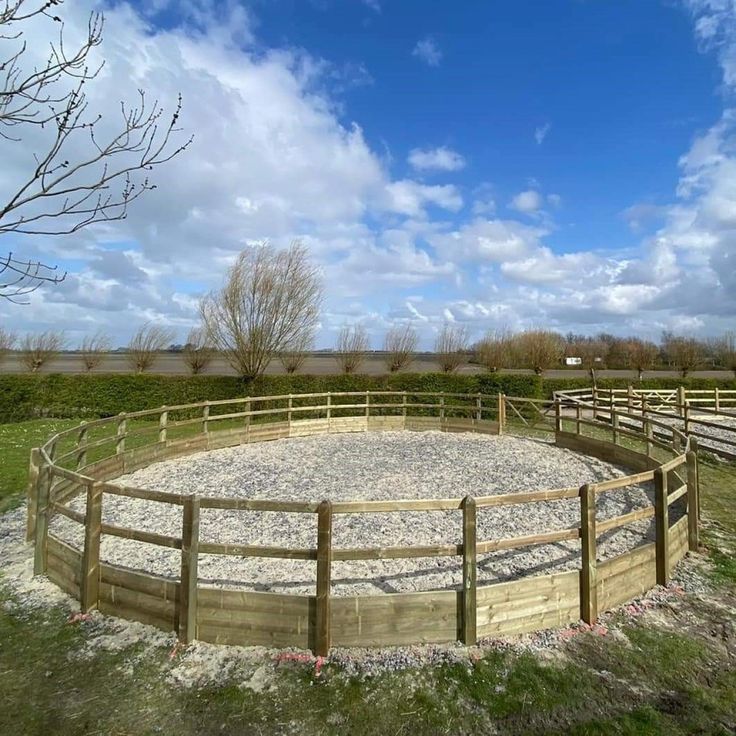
[(565, 164)]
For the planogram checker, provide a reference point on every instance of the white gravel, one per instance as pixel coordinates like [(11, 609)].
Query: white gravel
[(388, 465)]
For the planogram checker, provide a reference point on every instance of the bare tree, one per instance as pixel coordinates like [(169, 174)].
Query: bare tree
[(451, 347), (727, 351), (351, 346), (92, 350), (400, 344), (41, 348), (493, 351), (295, 355), (198, 351), (269, 302), (642, 355), (148, 340), (7, 341), (683, 352), (538, 349), (68, 187)]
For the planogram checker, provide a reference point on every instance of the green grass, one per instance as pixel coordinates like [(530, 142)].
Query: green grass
[(668, 679), (16, 441)]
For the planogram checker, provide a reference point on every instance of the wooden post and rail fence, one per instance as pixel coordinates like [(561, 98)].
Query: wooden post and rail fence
[(195, 610)]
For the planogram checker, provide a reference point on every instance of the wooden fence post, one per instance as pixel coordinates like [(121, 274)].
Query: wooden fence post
[(662, 526), (479, 407), (329, 405), (163, 422), (324, 573), (681, 400), (42, 520), (367, 403), (686, 414), (403, 404), (470, 608), (578, 417), (558, 416), (206, 418), (246, 421), (501, 413), (122, 430), (34, 471), (692, 501), (290, 406), (649, 432), (615, 420), (89, 589), (718, 399), (589, 572), (442, 405), (595, 400), (189, 573), (82, 440), (630, 397)]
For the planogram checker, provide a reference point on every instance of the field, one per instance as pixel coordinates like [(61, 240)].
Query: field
[(318, 365), (664, 668)]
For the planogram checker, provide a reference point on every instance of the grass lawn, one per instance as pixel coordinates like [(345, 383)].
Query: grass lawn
[(671, 671)]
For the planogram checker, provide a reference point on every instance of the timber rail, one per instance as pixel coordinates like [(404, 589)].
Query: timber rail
[(708, 415), (84, 461)]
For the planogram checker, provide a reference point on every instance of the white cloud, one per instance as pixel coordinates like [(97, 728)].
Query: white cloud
[(540, 133), (427, 51), (436, 159), (528, 202), (409, 198)]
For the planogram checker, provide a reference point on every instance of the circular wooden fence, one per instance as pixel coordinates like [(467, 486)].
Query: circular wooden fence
[(84, 462)]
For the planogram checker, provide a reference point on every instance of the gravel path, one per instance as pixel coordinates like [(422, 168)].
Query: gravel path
[(388, 465)]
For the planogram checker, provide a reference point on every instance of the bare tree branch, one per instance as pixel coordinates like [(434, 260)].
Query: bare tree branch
[(60, 196)]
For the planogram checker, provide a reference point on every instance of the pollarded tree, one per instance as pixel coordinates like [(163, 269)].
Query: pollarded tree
[(145, 345), (538, 349), (296, 354), (7, 341), (451, 347), (79, 173), (198, 351), (685, 353), (400, 344), (41, 348), (351, 346), (727, 351), (270, 301), (93, 349), (642, 355), (493, 351)]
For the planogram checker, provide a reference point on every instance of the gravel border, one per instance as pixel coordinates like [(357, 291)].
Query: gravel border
[(385, 465)]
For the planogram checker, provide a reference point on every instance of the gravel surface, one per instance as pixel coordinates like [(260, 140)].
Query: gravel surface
[(389, 465)]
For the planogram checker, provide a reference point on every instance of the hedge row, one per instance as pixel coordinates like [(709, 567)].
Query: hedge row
[(99, 395)]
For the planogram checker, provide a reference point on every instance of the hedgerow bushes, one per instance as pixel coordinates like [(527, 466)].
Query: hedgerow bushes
[(99, 395)]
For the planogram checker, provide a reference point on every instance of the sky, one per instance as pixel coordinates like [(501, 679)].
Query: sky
[(565, 164)]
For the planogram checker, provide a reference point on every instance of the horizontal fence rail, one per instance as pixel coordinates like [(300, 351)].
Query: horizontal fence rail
[(709, 415), (83, 461)]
